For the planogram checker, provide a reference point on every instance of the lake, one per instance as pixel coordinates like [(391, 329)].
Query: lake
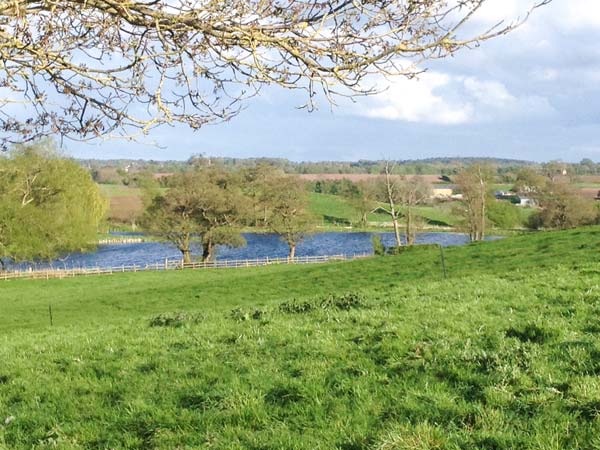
[(258, 246)]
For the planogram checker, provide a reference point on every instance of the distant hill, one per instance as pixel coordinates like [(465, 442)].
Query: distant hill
[(428, 166)]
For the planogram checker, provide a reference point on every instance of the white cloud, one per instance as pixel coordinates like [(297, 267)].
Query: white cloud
[(578, 14), (494, 11), (439, 98), (567, 15), (416, 101), (490, 93)]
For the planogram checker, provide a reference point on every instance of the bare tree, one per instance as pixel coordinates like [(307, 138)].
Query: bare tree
[(89, 68), (414, 191), (392, 192), (402, 194), (474, 183)]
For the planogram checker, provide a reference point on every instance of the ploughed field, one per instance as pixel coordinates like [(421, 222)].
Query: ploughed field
[(382, 353)]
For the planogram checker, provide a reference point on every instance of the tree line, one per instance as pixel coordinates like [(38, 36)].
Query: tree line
[(210, 206), (129, 172), (50, 205), (556, 202)]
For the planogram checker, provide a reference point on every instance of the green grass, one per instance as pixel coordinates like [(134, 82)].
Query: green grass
[(333, 209), (376, 354), (440, 214), (117, 190)]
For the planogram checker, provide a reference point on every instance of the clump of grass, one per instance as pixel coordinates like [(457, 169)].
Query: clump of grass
[(344, 302), (242, 314), (284, 395), (175, 319), (531, 332), (423, 436)]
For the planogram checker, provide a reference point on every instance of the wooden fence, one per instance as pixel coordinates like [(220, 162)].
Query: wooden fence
[(50, 273), (118, 241)]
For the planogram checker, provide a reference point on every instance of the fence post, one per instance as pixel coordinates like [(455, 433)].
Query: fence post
[(443, 259)]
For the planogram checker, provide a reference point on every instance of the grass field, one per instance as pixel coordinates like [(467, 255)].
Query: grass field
[(376, 354), (333, 209), (118, 190)]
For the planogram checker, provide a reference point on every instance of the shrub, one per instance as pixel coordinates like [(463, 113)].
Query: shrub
[(343, 302), (504, 215), (378, 247), (175, 320), (296, 307)]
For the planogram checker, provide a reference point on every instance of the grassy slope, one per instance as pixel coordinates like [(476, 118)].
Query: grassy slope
[(503, 354), (331, 209), (122, 296)]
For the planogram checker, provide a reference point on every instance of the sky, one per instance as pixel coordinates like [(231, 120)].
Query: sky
[(533, 94)]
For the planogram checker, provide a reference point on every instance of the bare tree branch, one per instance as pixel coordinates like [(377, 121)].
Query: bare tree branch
[(91, 68)]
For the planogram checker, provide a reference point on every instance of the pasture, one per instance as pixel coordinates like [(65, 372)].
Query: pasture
[(376, 354)]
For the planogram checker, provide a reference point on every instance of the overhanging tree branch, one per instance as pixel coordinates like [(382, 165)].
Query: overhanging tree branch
[(91, 68)]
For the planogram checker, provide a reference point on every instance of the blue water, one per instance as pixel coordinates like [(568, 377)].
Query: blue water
[(258, 246)]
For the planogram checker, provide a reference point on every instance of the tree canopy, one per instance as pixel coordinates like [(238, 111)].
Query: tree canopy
[(48, 205), (88, 68), (204, 206)]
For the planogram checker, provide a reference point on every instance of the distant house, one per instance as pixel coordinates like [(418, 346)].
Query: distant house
[(441, 193), (526, 202), (507, 196), (515, 199)]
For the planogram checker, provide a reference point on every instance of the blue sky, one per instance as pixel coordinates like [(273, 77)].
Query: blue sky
[(534, 94)]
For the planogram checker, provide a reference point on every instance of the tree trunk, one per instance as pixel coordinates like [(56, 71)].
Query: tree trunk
[(187, 255), (390, 194), (410, 238), (292, 254), (397, 232), (483, 209), (208, 252)]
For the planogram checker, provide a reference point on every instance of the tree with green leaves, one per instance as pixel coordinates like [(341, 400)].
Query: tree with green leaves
[(363, 199), (172, 216), (561, 206), (257, 186), (287, 202), (204, 207), (49, 205)]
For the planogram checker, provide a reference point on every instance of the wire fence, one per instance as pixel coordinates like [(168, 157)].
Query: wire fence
[(51, 273)]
